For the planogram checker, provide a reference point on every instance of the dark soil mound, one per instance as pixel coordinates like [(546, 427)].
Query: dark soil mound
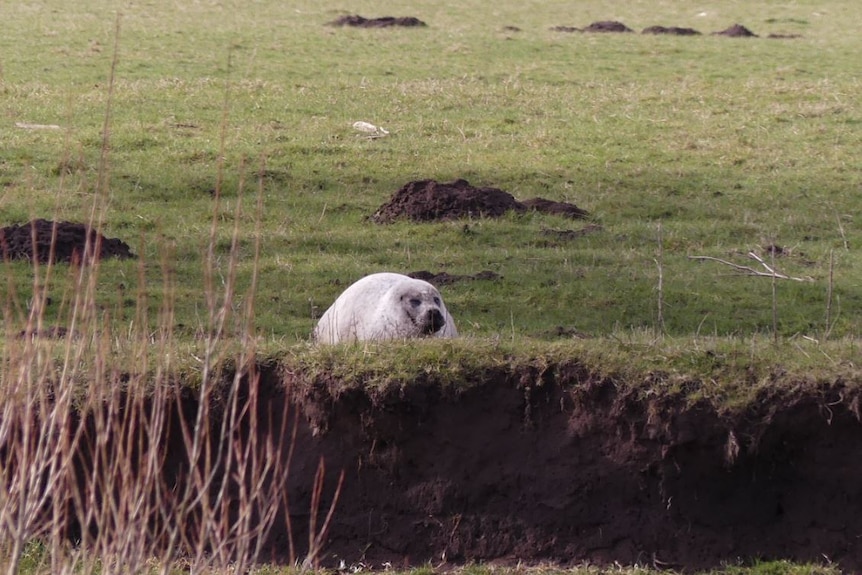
[(16, 242), (444, 278), (607, 26), (672, 30), (429, 200), (552, 207), (382, 22), (736, 31), (55, 332)]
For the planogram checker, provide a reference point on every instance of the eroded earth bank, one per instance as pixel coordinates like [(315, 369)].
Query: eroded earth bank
[(569, 467), (562, 465)]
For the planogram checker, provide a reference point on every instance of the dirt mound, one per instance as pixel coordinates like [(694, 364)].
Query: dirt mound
[(607, 26), (553, 207), (54, 332), (430, 200), (736, 31), (671, 30), (17, 242), (603, 26), (444, 278), (383, 22)]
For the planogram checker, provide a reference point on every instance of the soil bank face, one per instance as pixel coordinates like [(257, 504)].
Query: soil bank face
[(557, 465), (570, 469)]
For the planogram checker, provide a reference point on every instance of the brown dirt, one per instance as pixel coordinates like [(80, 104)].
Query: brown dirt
[(671, 30), (383, 22), (603, 26), (607, 26), (557, 208), (736, 31), (562, 465), (16, 242), (429, 200), (567, 467)]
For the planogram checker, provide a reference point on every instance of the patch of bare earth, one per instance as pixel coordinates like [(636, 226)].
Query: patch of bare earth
[(607, 26), (671, 30), (552, 464), (357, 21), (736, 31), (561, 466), (601, 26), (430, 200), (45, 240)]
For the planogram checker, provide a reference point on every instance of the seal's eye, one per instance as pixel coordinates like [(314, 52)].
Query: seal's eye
[(437, 300), (415, 302)]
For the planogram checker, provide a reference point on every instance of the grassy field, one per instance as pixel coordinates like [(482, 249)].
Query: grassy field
[(159, 118), (732, 145)]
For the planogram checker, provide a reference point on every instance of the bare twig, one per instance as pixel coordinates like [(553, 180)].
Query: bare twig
[(747, 270), (841, 231)]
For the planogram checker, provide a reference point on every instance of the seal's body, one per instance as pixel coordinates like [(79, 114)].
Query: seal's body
[(386, 306)]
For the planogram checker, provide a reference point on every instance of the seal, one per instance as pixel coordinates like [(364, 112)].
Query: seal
[(385, 306)]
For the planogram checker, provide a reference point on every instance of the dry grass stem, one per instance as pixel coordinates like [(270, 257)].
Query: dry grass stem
[(747, 270)]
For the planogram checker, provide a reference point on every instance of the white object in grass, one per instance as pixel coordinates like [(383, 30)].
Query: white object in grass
[(370, 129), (386, 306)]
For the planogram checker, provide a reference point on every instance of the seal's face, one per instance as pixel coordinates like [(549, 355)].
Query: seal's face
[(423, 307)]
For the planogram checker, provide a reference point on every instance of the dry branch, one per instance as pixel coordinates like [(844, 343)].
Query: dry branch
[(750, 271)]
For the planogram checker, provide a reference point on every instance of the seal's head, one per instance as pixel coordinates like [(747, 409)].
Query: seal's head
[(423, 307)]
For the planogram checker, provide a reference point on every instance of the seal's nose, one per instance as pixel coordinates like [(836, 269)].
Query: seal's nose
[(434, 322)]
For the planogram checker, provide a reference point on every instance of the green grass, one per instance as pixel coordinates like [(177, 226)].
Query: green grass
[(730, 144)]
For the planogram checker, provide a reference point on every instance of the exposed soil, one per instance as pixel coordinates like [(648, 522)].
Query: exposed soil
[(17, 242), (603, 26), (671, 30), (561, 465), (557, 208), (383, 22), (607, 26), (736, 31), (53, 332), (565, 467), (429, 200)]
